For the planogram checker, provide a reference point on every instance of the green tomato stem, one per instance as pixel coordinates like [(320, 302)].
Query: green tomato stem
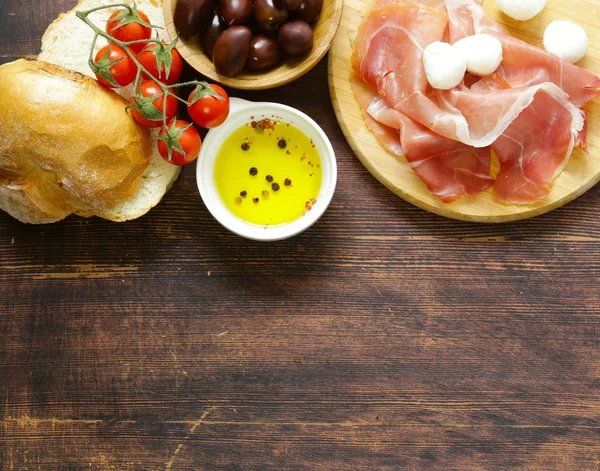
[(165, 97), (91, 59), (86, 13), (185, 84), (84, 16), (139, 41), (185, 102), (136, 82)]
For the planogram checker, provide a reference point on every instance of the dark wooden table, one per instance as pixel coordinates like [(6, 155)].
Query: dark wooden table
[(383, 339)]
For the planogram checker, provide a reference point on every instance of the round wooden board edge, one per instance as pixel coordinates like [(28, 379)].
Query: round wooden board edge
[(527, 212), (287, 73)]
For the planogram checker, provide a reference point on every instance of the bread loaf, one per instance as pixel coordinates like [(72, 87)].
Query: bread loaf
[(34, 193), (66, 144)]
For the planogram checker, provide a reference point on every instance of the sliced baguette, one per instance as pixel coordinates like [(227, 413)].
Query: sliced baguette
[(66, 144), (67, 42)]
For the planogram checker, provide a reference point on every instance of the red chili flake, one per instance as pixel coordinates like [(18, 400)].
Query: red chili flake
[(266, 124), (251, 117), (265, 194), (243, 194), (253, 124), (303, 158), (287, 182), (318, 165), (287, 152), (255, 200), (313, 201), (238, 200), (310, 174)]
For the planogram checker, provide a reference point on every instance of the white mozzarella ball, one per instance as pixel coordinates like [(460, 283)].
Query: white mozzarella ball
[(482, 52), (566, 40), (445, 67), (521, 10)]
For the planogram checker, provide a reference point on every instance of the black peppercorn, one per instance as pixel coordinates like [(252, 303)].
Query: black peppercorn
[(269, 178), (243, 194), (253, 171), (245, 146), (282, 144), (275, 186)]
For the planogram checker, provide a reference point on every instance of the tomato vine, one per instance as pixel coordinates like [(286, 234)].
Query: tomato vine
[(168, 134)]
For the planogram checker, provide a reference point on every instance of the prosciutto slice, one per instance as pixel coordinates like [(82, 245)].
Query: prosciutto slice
[(449, 168), (523, 64), (517, 111), (531, 153), (389, 54)]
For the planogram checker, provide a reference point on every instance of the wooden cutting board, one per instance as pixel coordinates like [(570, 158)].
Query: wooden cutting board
[(581, 173)]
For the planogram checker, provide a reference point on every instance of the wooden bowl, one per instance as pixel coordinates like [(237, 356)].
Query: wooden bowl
[(293, 68)]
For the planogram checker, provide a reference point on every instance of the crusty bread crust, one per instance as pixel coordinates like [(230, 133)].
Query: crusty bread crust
[(25, 198), (68, 33), (68, 140), (66, 43)]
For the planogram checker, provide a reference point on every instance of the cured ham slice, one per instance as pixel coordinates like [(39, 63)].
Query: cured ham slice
[(486, 110), (437, 4), (523, 64), (388, 54), (531, 153), (517, 111), (450, 169)]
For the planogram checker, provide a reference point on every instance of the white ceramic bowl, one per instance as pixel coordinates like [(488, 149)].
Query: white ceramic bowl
[(243, 112)]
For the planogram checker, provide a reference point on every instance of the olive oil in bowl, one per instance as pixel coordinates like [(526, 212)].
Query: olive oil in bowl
[(268, 173)]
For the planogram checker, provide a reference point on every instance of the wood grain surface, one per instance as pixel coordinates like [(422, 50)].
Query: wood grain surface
[(581, 173), (385, 338), (324, 31)]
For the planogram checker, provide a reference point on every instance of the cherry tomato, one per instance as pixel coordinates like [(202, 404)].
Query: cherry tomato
[(150, 89), (189, 140), (123, 72), (209, 111), (153, 53), (131, 31)]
